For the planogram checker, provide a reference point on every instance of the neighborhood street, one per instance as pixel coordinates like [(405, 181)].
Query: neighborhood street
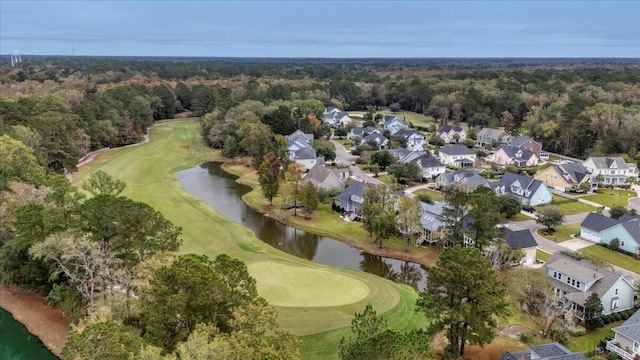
[(344, 158)]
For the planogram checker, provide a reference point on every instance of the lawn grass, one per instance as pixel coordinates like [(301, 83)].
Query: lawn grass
[(521, 217), (346, 143), (613, 257), (587, 343), (611, 198), (561, 233), (149, 172), (570, 206), (543, 255), (414, 118), (434, 194)]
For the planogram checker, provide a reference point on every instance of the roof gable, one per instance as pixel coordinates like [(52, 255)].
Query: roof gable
[(457, 149), (520, 239), (630, 328), (598, 222)]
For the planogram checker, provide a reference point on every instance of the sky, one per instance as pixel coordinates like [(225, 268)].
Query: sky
[(322, 29)]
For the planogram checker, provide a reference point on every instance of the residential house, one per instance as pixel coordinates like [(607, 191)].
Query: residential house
[(452, 134), (327, 179), (526, 143), (378, 138), (308, 158), (403, 155), (433, 223), (393, 124), (457, 155), (575, 280), (614, 170), (431, 166), (567, 177), (360, 132), (298, 140), (510, 155), (602, 229), (488, 136), (335, 117), (552, 351), (415, 139), (467, 179), (529, 191), (626, 341), (352, 197), (523, 240)]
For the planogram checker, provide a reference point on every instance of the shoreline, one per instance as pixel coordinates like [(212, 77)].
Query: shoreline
[(44, 322)]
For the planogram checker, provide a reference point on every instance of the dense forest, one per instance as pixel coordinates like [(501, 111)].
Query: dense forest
[(75, 247)]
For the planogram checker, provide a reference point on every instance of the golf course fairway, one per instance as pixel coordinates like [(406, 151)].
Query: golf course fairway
[(316, 301)]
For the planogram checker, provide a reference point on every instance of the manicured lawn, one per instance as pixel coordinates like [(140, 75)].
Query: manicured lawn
[(543, 255), (415, 118), (521, 217), (561, 233), (587, 343), (611, 198), (149, 172), (570, 206), (346, 143), (434, 194), (613, 257)]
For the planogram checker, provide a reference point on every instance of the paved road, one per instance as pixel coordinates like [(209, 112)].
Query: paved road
[(345, 158)]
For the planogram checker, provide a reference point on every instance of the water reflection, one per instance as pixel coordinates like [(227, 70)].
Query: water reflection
[(219, 189)]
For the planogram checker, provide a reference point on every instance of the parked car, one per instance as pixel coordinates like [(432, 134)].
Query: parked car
[(529, 209)]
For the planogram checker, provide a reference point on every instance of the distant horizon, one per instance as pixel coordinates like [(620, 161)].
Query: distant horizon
[(323, 29)]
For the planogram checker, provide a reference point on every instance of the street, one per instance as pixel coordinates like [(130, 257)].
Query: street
[(343, 157)]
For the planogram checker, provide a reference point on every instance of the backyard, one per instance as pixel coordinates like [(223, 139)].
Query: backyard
[(613, 257), (434, 194)]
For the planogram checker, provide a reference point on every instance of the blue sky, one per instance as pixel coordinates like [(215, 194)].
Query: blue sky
[(323, 28)]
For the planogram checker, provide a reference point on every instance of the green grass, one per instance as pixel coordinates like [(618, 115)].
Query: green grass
[(434, 194), (543, 255), (561, 233), (570, 206), (345, 142), (415, 118), (521, 217), (149, 172), (587, 343), (611, 198), (613, 257)]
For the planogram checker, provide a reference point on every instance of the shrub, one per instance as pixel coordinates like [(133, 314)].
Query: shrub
[(527, 337), (576, 330), (425, 198), (559, 335), (612, 356)]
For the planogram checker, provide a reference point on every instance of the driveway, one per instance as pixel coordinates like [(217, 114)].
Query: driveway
[(345, 158)]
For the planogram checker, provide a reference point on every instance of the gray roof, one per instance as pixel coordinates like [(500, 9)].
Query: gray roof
[(598, 222), (388, 119), (408, 132), (469, 177), (329, 109), (512, 152), (633, 227), (489, 132), (457, 149), (318, 174), (552, 351), (431, 215), (428, 161), (447, 128), (375, 136), (399, 153), (585, 272), (360, 131), (355, 188), (320, 161), (576, 171), (520, 239), (520, 140), (299, 134), (606, 162), (630, 328), (526, 183), (305, 154)]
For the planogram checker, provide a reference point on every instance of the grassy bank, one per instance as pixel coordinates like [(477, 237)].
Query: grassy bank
[(149, 172)]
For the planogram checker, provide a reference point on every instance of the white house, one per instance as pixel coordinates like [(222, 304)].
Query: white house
[(452, 134), (488, 136), (352, 197), (522, 240), (456, 155), (335, 117), (614, 170), (415, 139), (393, 124), (431, 167), (360, 132), (378, 138), (327, 179)]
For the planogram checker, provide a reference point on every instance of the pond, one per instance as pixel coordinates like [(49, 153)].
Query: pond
[(218, 189), (17, 343)]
